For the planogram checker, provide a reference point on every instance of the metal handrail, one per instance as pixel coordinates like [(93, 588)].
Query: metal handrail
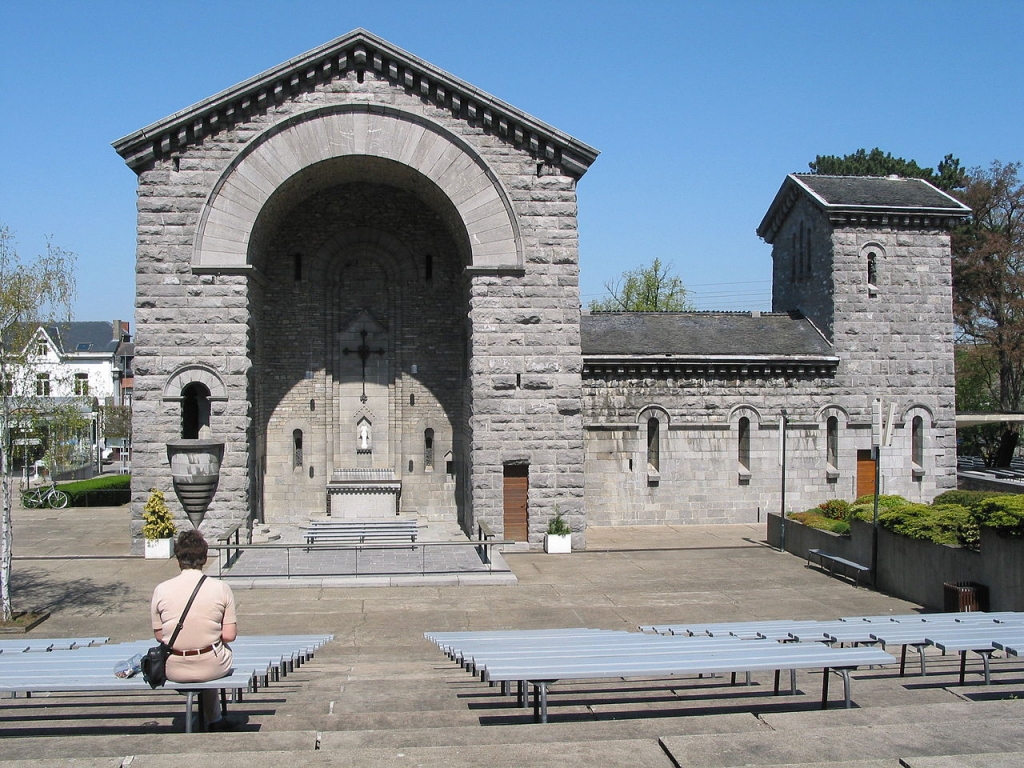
[(486, 557)]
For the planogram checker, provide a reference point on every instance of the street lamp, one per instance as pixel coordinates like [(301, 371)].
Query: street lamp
[(782, 462)]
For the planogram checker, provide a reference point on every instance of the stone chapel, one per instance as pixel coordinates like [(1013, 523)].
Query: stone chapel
[(362, 275)]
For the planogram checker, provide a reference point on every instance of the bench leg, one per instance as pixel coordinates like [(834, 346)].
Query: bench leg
[(792, 682), (824, 688), (846, 686), (963, 666), (540, 702)]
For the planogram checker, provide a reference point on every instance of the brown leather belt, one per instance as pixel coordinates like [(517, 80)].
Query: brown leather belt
[(197, 652)]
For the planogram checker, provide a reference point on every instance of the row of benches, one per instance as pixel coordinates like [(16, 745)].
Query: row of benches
[(395, 531), (976, 632), (71, 666), (539, 658)]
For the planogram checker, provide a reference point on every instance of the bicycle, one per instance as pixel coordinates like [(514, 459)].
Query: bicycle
[(45, 496)]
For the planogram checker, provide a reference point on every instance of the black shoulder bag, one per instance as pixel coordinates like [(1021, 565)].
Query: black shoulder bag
[(154, 663)]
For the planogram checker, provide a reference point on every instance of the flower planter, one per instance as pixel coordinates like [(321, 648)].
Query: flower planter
[(558, 544), (195, 473), (159, 549)]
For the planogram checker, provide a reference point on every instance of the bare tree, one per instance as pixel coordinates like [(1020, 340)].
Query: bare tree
[(30, 294)]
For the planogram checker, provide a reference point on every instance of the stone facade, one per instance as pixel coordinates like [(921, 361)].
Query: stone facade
[(363, 264), (355, 189)]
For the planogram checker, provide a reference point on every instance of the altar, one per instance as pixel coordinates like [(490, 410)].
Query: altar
[(363, 493)]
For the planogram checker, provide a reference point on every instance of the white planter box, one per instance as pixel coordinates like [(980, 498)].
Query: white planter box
[(560, 544), (159, 549)]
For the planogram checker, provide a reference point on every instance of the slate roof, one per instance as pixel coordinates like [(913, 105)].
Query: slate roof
[(702, 336), (864, 199), (876, 192), (82, 337)]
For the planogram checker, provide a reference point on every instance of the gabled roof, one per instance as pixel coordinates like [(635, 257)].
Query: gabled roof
[(77, 338), (360, 51), (704, 338), (866, 199)]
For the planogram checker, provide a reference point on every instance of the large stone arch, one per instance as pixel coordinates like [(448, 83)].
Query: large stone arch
[(470, 188)]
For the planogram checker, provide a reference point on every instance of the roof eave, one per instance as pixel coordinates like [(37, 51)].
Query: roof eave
[(139, 147)]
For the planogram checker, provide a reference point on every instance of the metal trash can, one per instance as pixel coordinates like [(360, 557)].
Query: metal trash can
[(964, 596)]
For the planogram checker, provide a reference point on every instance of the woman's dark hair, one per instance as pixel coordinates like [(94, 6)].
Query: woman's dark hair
[(190, 549)]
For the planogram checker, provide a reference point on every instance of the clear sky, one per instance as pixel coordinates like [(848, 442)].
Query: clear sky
[(699, 109)]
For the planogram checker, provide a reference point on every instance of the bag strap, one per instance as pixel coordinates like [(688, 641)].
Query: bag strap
[(181, 621)]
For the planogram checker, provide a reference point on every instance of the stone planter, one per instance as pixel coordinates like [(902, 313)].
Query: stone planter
[(195, 472), (558, 544), (159, 549)]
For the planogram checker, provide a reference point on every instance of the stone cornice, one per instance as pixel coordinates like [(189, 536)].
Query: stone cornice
[(629, 366), (357, 51)]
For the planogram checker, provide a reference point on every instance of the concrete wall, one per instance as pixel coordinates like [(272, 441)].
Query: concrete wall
[(916, 570)]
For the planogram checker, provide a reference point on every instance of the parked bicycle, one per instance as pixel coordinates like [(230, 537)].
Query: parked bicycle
[(45, 496)]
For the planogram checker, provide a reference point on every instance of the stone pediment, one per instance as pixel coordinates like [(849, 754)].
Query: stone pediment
[(361, 52)]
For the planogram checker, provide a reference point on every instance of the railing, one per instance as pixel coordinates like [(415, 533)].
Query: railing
[(226, 538), (298, 555)]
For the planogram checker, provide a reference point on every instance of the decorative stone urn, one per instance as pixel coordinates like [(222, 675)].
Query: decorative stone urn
[(195, 472)]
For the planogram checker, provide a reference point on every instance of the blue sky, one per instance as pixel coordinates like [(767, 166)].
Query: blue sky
[(699, 109)]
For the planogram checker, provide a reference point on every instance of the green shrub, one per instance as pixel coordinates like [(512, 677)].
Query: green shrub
[(157, 517), (103, 491), (967, 499), (1005, 514), (835, 509), (814, 519)]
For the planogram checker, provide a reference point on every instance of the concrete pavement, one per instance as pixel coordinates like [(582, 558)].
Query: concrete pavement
[(381, 695)]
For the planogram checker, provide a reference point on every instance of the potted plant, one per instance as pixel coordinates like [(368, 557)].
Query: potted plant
[(158, 528), (558, 540)]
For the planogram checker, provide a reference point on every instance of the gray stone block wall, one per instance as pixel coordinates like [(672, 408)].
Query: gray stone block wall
[(521, 321)]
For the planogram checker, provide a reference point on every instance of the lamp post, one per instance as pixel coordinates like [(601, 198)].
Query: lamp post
[(782, 462)]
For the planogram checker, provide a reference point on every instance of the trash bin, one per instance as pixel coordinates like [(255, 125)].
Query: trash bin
[(963, 596)]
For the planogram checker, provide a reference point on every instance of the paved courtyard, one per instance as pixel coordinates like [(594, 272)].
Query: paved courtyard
[(381, 695)]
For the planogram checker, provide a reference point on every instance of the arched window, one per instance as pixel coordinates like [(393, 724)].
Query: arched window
[(743, 443), (654, 444), (872, 269), (195, 410), (832, 442), (917, 441), (428, 450), (297, 449)]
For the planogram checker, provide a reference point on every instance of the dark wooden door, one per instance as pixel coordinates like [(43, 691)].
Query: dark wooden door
[(865, 474), (516, 498)]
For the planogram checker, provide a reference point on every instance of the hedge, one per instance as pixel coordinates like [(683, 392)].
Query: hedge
[(102, 491)]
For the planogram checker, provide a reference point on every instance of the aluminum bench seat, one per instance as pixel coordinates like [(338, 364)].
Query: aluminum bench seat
[(737, 628), (33, 644), (91, 668), (475, 661), (737, 658), (982, 643)]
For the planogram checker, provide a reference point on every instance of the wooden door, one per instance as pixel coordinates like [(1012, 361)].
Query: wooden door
[(516, 492), (865, 474)]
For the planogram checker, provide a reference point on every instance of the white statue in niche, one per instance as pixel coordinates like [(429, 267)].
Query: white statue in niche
[(363, 431)]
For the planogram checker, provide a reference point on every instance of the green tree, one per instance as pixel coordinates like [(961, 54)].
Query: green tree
[(948, 175), (31, 293), (645, 289), (988, 285)]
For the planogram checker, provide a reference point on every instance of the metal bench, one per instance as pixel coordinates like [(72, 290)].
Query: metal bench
[(543, 659), (826, 560), (91, 668), (361, 532)]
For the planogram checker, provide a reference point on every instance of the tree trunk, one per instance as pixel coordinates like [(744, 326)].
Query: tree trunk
[(6, 541), (1007, 445)]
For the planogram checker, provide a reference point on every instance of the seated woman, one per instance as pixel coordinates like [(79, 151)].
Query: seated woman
[(200, 651)]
